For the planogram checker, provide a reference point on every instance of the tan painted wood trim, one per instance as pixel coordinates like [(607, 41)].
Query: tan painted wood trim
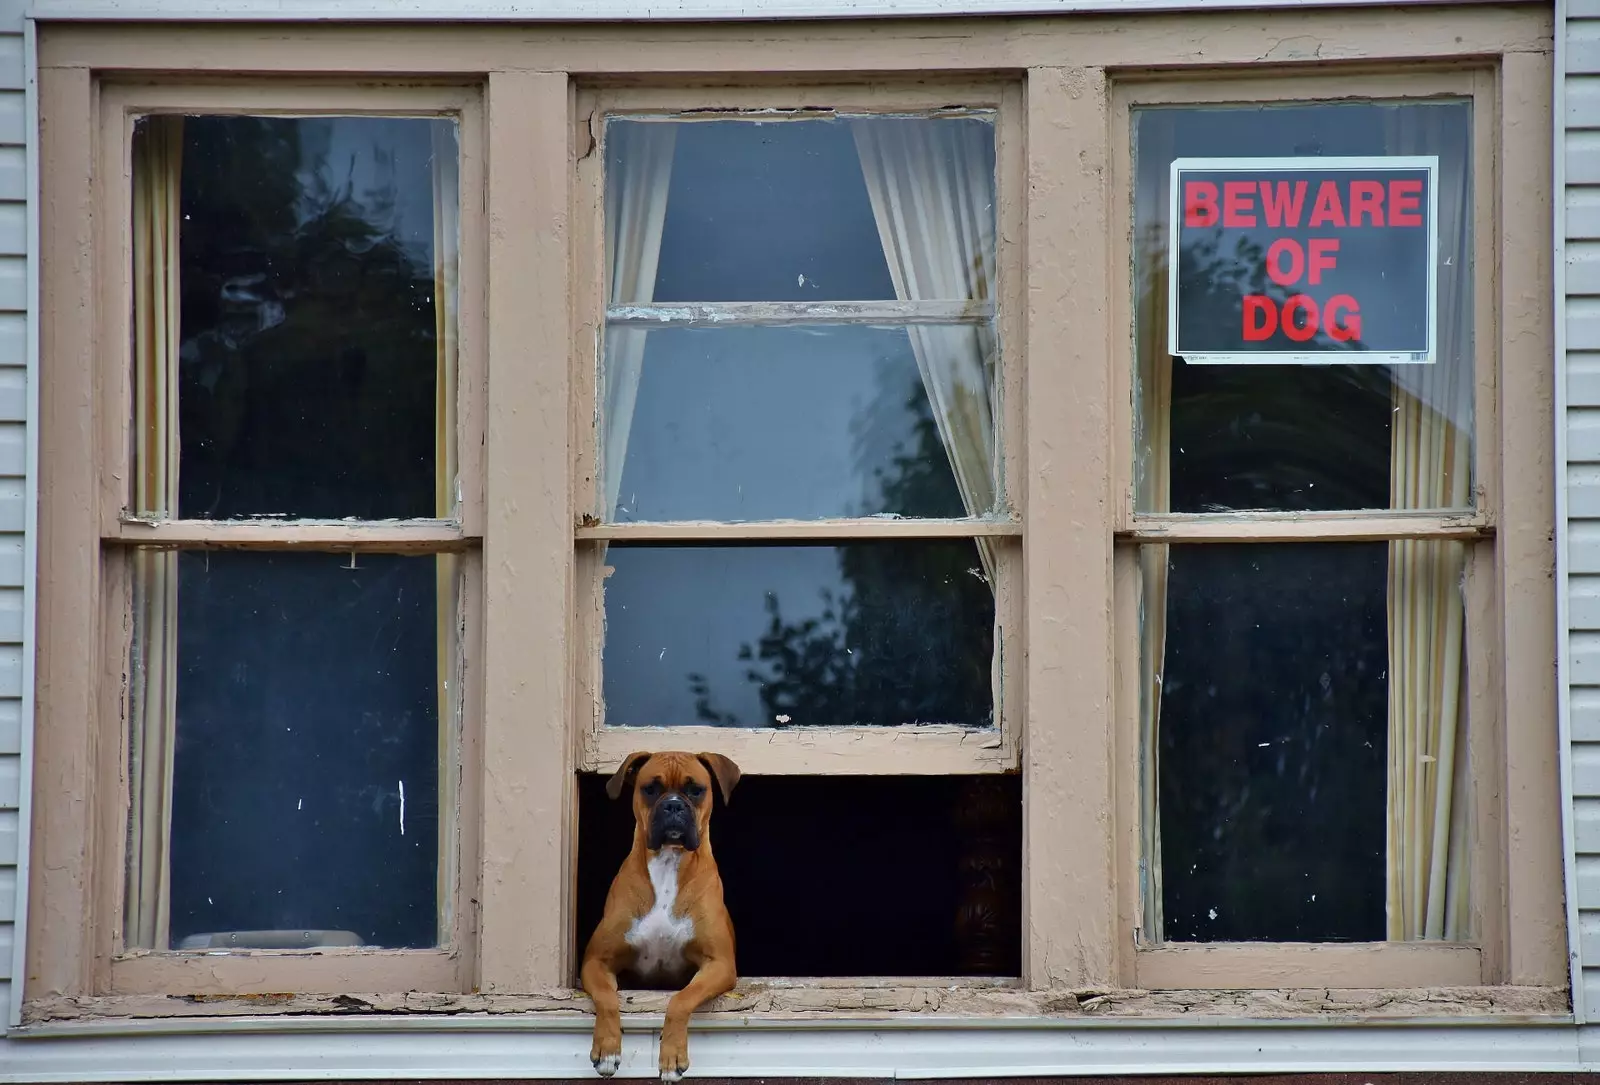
[(1237, 967), (1127, 752), (529, 789), (802, 98), (921, 750), (771, 314), (303, 97), (397, 536), (1069, 904), (1526, 549), (472, 314), (329, 972), (61, 909), (1486, 748), (810, 50), (1304, 527), (867, 527)]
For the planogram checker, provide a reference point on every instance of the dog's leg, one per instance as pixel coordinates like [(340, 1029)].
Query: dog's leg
[(600, 981), (715, 977)]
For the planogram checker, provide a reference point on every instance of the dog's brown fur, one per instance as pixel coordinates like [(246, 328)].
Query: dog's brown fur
[(709, 955)]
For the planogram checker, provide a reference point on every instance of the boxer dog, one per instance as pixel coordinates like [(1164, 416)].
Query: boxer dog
[(664, 919)]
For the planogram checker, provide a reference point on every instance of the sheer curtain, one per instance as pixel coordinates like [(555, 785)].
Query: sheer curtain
[(639, 171), (1431, 468), (157, 170), (932, 191)]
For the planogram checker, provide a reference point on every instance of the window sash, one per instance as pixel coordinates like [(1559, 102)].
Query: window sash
[(1226, 965), (133, 971)]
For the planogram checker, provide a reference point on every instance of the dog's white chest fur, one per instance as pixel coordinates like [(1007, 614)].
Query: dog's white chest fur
[(658, 937)]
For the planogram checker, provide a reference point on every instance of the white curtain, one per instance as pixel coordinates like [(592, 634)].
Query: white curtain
[(1431, 468), (639, 171), (932, 189)]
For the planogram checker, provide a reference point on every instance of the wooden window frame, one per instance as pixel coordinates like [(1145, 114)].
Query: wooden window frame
[(530, 269), (1495, 528), (110, 966), (915, 749)]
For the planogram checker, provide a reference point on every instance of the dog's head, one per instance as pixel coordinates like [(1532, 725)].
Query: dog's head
[(672, 794)]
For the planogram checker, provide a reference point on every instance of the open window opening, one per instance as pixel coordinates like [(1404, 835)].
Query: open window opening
[(829, 876)]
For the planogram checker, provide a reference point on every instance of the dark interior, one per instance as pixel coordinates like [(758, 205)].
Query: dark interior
[(848, 875)]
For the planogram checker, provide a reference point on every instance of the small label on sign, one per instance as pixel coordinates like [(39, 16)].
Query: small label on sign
[(1303, 260)]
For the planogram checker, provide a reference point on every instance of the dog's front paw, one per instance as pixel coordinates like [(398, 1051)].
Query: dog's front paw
[(674, 1054), (606, 1052)]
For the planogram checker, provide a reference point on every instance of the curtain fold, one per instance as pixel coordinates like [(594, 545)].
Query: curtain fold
[(157, 171), (932, 192), (1428, 857), (447, 493), (639, 172)]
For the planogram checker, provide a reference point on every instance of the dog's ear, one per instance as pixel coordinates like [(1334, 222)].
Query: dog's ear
[(723, 770), (625, 773)]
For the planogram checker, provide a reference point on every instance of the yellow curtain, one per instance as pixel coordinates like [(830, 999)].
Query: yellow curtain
[(446, 269), (157, 169), (1431, 468)]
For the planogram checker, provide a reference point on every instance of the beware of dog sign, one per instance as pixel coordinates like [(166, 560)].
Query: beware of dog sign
[(1303, 260)]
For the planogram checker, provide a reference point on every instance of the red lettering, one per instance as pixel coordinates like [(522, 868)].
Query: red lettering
[(1237, 208), (1199, 203), (1405, 202), (1366, 198), (1300, 332), (1297, 262), (1260, 318), (1350, 327), (1322, 258), (1280, 208), (1327, 208)]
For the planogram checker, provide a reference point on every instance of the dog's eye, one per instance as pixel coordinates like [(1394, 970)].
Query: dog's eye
[(650, 790), (693, 790)]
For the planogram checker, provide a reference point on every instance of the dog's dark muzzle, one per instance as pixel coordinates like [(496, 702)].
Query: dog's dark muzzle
[(672, 822)]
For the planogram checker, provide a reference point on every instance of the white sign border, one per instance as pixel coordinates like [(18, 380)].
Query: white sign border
[(1430, 163)]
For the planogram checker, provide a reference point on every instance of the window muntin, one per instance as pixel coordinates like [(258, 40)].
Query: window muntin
[(801, 326), (1271, 686), (294, 339)]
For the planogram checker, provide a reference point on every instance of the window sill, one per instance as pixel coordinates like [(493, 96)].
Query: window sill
[(1234, 966), (784, 1003)]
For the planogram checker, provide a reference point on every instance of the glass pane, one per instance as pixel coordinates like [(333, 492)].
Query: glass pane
[(1305, 741), (294, 294), (1301, 437), (876, 633), (771, 423), (286, 744), (787, 210)]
